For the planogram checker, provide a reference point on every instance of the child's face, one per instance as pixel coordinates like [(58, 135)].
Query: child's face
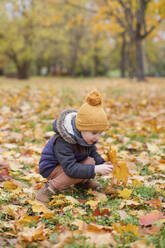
[(91, 136)]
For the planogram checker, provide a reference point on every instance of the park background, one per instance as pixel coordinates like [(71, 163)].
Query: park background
[(83, 38)]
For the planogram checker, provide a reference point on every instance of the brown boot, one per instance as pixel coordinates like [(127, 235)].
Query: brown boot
[(89, 184), (44, 192)]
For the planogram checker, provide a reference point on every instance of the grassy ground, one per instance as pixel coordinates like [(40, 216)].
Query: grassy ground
[(130, 215), (74, 83)]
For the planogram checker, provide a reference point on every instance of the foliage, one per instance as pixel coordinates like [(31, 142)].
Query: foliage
[(127, 213), (87, 38)]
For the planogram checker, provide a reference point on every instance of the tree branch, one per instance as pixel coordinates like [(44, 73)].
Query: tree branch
[(151, 29), (128, 17), (79, 7)]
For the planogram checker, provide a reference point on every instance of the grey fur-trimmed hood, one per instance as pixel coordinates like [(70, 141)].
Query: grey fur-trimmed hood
[(60, 127)]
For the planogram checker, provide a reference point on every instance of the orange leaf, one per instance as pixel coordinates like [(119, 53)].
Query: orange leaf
[(155, 203), (162, 161)]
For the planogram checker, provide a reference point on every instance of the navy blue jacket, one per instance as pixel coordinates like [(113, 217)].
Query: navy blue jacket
[(58, 151)]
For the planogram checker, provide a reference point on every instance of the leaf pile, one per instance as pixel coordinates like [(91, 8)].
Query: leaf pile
[(127, 213)]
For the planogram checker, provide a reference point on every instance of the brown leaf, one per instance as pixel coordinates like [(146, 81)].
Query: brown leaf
[(4, 171), (102, 212), (150, 218), (96, 235), (152, 230), (32, 234), (111, 190)]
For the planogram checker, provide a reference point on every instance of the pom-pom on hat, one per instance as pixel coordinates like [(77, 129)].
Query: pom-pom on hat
[(91, 115)]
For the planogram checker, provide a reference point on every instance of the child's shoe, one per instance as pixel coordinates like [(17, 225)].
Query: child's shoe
[(44, 192), (89, 184)]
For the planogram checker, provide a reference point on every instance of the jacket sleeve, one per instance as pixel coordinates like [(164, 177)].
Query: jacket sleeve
[(94, 154), (66, 158)]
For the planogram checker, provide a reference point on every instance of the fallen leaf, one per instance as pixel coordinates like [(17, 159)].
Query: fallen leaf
[(126, 228), (125, 193), (112, 155), (155, 203), (72, 199), (4, 171), (9, 185), (141, 244), (92, 203), (123, 214), (151, 218), (26, 219), (64, 238), (101, 212), (39, 207), (98, 196), (32, 234), (120, 173)]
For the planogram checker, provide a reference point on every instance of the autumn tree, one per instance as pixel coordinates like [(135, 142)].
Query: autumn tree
[(137, 19), (83, 50), (28, 26), (17, 42)]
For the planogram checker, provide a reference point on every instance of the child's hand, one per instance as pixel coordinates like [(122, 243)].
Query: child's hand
[(103, 169)]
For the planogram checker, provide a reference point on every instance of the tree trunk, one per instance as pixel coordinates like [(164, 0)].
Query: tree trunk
[(96, 64), (140, 25), (131, 57), (139, 60), (123, 56), (23, 70)]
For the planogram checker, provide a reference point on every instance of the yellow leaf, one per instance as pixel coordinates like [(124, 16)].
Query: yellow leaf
[(126, 228), (59, 201), (131, 228), (121, 172), (9, 185), (93, 204), (25, 219), (112, 155), (136, 182), (12, 187), (90, 192), (125, 193), (38, 207)]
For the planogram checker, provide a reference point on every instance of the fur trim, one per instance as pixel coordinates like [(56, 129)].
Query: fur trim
[(61, 128)]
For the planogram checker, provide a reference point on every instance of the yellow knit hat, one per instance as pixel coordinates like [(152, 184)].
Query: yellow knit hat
[(91, 115)]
